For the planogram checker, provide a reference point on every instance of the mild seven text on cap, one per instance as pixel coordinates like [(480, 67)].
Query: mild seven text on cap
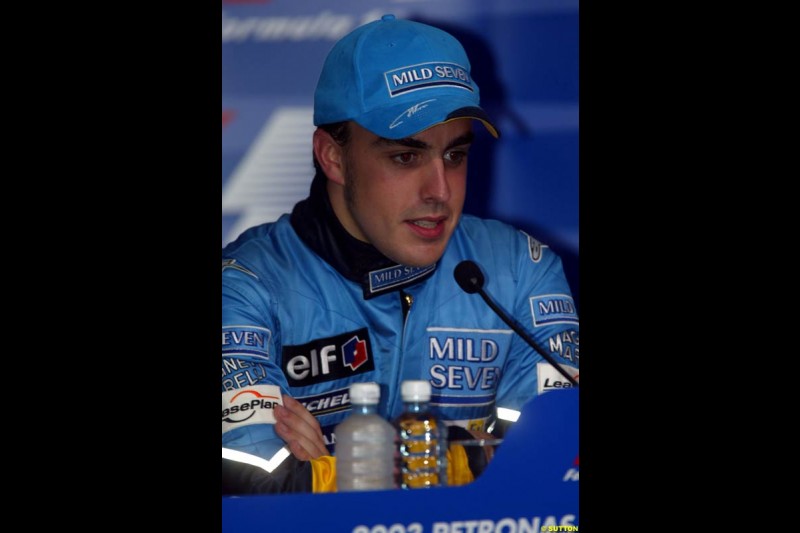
[(426, 76)]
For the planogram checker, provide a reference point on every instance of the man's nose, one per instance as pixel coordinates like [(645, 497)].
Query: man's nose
[(435, 187)]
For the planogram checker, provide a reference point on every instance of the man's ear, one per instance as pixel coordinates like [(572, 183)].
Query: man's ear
[(330, 156)]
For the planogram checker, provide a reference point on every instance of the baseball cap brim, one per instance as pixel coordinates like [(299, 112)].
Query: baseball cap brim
[(401, 121), (478, 114)]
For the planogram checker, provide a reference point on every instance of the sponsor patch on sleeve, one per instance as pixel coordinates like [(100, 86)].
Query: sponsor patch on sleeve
[(553, 309), (534, 248), (566, 344), (551, 379), (246, 341), (250, 405)]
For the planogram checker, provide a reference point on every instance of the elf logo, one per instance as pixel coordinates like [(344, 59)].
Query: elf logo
[(355, 353), (328, 359)]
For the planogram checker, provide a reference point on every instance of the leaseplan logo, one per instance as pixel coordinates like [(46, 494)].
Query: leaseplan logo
[(253, 405), (551, 379), (260, 401)]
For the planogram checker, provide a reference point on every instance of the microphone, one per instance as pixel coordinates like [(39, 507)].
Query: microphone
[(470, 278)]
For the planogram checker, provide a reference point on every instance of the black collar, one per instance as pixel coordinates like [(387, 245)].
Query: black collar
[(316, 224)]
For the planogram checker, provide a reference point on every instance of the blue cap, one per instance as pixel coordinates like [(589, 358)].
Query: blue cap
[(396, 78)]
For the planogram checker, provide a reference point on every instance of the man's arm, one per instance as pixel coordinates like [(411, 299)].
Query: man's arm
[(253, 387), (545, 308)]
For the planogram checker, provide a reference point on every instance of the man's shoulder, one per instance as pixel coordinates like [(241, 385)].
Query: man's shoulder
[(268, 234), (490, 238), (473, 227), (267, 248)]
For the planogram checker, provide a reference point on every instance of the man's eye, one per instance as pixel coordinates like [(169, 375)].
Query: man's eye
[(455, 156), (405, 158)]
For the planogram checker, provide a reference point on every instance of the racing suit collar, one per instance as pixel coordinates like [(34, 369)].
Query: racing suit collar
[(315, 222)]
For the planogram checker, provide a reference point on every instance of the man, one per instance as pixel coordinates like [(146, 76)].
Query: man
[(357, 283)]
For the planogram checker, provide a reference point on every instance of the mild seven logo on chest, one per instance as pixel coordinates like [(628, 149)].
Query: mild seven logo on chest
[(464, 363)]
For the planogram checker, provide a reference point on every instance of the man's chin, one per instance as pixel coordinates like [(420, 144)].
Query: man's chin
[(422, 258)]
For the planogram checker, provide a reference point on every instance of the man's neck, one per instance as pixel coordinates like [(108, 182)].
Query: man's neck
[(315, 222)]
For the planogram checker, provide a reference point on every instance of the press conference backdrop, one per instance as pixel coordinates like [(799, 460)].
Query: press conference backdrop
[(524, 56)]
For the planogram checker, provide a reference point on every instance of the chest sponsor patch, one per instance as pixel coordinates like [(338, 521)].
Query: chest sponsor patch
[(327, 402), (395, 276), (250, 405), (327, 359), (251, 342), (465, 361), (553, 309)]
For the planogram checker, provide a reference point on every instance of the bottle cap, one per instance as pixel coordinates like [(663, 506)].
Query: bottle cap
[(416, 390), (365, 393)]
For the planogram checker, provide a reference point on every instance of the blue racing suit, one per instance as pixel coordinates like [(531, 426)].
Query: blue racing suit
[(307, 310)]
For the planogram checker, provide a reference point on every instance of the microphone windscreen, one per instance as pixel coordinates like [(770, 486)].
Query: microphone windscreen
[(468, 276)]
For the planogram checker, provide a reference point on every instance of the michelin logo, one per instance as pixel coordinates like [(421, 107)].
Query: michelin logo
[(329, 402)]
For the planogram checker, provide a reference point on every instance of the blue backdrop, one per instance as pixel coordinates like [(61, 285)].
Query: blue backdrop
[(524, 56)]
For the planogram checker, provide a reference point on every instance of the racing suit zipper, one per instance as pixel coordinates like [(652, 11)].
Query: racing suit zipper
[(406, 300)]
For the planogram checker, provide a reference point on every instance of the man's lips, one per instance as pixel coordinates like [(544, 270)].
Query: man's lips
[(427, 227)]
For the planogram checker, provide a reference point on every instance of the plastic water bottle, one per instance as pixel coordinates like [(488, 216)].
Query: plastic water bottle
[(365, 444), (423, 439)]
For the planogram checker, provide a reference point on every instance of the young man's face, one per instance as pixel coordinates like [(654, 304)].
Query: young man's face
[(405, 197)]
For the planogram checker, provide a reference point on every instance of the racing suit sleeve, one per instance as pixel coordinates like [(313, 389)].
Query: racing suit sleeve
[(252, 383), (543, 305)]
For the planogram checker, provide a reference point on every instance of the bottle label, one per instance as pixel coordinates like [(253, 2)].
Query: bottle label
[(420, 453)]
